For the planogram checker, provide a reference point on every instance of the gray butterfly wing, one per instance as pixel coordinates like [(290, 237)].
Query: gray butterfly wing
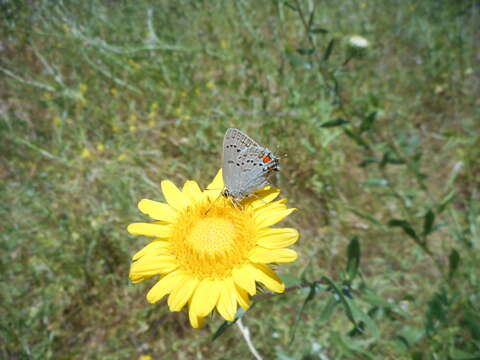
[(234, 142), (253, 166)]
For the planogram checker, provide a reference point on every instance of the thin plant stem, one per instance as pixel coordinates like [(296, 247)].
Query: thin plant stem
[(246, 336)]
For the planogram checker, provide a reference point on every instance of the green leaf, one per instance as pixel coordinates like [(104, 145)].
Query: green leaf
[(334, 123), (367, 122), (367, 161), (298, 61), (290, 280), (365, 216), (446, 200), (303, 275), (457, 354), (357, 138), (353, 263), (453, 262), (350, 346), (389, 159), (428, 222), (343, 300), (226, 324), (375, 182), (319, 31), (329, 50), (437, 312), (290, 6), (328, 309), (310, 296), (361, 317), (305, 51), (406, 226)]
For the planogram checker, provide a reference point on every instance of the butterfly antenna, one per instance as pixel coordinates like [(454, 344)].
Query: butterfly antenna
[(213, 202)]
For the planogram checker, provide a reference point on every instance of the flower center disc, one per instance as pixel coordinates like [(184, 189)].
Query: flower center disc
[(212, 235), (210, 239)]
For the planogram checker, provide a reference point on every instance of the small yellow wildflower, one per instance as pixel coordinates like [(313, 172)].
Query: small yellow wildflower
[(121, 157), (178, 111), (115, 128), (187, 117), (198, 91), (145, 357), (133, 118), (151, 114), (183, 94), (134, 65), (132, 128), (56, 120), (223, 44), (48, 95), (210, 85), (100, 147), (86, 153), (151, 123), (83, 88), (154, 106), (114, 92)]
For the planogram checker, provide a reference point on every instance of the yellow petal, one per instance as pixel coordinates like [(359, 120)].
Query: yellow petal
[(217, 183), (242, 297), (149, 229), (192, 191), (262, 197), (269, 218), (164, 286), (174, 197), (182, 294), (195, 321), (244, 279), (157, 210), (205, 297), (277, 238), (148, 266), (273, 206), (154, 248), (266, 256), (267, 277), (227, 301)]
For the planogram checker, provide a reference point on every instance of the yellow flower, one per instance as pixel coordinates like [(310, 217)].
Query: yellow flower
[(47, 95), (208, 252), (56, 120), (223, 44), (100, 147), (134, 65), (183, 94), (151, 123), (154, 106), (114, 92), (86, 154), (145, 357), (121, 157), (83, 88), (132, 128), (210, 85)]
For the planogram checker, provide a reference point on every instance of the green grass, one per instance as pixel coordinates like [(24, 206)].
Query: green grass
[(100, 101)]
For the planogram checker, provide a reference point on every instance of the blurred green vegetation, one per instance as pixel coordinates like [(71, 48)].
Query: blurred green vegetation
[(101, 100)]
